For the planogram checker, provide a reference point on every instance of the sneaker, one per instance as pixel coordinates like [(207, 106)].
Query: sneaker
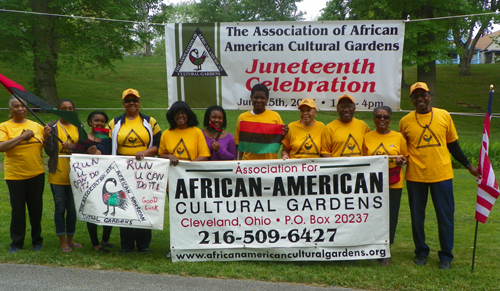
[(145, 251), (37, 248), (169, 254), (444, 265), (385, 262), (125, 251), (421, 261), (13, 250)]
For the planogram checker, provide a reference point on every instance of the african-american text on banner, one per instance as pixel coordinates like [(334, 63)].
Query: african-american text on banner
[(487, 190)]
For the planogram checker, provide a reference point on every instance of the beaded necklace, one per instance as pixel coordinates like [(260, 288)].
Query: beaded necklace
[(427, 125)]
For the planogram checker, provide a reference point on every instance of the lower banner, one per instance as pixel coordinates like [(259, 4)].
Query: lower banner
[(119, 190), (280, 210)]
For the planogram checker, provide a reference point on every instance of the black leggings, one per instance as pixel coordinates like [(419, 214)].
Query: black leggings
[(92, 228)]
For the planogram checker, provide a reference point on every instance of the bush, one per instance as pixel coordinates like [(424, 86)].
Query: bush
[(471, 151)]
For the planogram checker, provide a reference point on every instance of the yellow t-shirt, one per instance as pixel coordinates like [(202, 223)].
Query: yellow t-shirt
[(343, 139), (186, 144), (133, 137), (389, 144), (24, 161), (304, 141), (429, 160), (267, 116), (66, 134)]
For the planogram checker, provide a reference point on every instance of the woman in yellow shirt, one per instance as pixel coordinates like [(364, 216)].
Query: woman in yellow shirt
[(383, 141), (21, 140), (183, 140), (137, 135), (303, 139), (64, 211)]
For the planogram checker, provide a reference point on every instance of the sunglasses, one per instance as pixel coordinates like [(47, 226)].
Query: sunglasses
[(416, 96), (135, 100), (386, 117)]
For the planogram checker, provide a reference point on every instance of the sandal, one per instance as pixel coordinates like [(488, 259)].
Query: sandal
[(66, 250)]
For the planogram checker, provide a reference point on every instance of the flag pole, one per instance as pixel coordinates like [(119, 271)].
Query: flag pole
[(36, 116), (487, 188), (474, 248)]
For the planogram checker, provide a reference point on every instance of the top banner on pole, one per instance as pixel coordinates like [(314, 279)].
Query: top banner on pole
[(219, 63)]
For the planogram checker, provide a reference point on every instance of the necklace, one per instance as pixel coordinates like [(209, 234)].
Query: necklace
[(427, 125)]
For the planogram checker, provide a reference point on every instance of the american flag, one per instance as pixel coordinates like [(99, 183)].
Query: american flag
[(487, 188)]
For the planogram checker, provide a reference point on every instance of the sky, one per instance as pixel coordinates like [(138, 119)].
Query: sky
[(311, 7)]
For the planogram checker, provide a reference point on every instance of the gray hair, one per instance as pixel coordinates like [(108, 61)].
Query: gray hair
[(12, 99), (384, 107)]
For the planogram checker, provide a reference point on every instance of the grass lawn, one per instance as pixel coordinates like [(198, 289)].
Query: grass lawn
[(148, 76)]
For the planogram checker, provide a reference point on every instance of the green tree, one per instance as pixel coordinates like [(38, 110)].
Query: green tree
[(246, 10), (49, 43), (425, 41), (466, 32)]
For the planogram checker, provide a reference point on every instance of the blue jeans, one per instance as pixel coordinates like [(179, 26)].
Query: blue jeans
[(64, 206), (444, 205)]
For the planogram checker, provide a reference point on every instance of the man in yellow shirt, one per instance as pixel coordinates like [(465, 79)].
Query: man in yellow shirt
[(259, 114), (431, 137), (343, 137)]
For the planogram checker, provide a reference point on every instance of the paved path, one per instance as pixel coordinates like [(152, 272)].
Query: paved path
[(40, 278)]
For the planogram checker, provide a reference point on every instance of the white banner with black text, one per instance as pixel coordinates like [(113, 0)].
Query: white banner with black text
[(304, 209)]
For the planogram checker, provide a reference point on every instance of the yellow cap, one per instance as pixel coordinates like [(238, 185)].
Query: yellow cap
[(308, 102), (346, 96), (419, 85), (130, 92)]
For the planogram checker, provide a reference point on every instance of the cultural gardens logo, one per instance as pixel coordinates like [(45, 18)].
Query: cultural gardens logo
[(200, 56)]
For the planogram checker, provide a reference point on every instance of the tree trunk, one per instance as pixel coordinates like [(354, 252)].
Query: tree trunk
[(427, 74), (44, 52), (147, 41)]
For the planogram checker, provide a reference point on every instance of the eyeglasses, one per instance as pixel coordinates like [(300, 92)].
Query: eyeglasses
[(135, 100), (416, 96), (386, 117), (346, 106)]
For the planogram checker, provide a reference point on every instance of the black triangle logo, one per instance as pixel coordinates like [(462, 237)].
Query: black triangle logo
[(380, 150), (428, 139), (30, 140), (133, 140), (118, 202), (351, 148), (181, 151), (308, 147), (197, 58)]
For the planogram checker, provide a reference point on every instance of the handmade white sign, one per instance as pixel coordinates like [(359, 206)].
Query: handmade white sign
[(119, 190)]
